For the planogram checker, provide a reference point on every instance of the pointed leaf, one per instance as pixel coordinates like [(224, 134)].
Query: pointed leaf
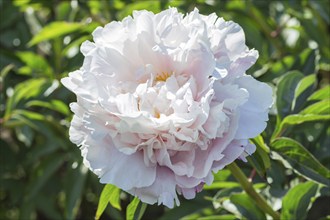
[(221, 185), (286, 92), (28, 89), (74, 192), (296, 120), (304, 88), (110, 193), (321, 107), (259, 142), (294, 155), (247, 206), (307, 61), (35, 64), (321, 94), (135, 209), (42, 174), (54, 30), (260, 160), (297, 201), (55, 105)]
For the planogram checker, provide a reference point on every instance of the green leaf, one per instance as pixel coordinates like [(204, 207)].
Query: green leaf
[(5, 71), (135, 209), (46, 126), (221, 184), (199, 213), (286, 92), (273, 70), (27, 118), (186, 208), (304, 84), (323, 93), (45, 204), (297, 201), (222, 175), (35, 64), (307, 61), (74, 192), (296, 120), (247, 206), (295, 156), (259, 142), (304, 88), (55, 105), (319, 108), (26, 90), (218, 217), (25, 134), (77, 43), (54, 30), (41, 175), (110, 193), (260, 160), (139, 5)]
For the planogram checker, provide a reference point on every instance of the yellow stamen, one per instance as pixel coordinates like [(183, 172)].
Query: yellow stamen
[(157, 114), (163, 76)]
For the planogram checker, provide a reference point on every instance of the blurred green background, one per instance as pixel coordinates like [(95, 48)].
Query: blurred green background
[(42, 176)]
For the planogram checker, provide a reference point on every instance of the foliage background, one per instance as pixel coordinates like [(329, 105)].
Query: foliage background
[(42, 176)]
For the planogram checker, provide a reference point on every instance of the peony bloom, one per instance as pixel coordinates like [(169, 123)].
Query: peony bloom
[(163, 101)]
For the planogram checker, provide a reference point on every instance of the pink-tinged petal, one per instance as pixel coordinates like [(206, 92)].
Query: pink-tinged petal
[(109, 164), (181, 163), (249, 149), (87, 47), (230, 95), (105, 35), (231, 153), (254, 112), (198, 61), (73, 81), (127, 143), (127, 104), (144, 21), (251, 123), (241, 64), (190, 193), (205, 159), (258, 101), (215, 119), (163, 190), (235, 40), (187, 182), (77, 130)]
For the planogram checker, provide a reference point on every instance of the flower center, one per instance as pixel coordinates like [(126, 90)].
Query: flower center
[(156, 113), (163, 76)]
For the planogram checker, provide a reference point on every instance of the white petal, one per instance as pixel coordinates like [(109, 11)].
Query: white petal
[(109, 163), (163, 190), (251, 124), (231, 153), (253, 113), (260, 94)]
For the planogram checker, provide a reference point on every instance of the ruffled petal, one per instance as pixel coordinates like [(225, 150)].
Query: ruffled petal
[(106, 161), (163, 190)]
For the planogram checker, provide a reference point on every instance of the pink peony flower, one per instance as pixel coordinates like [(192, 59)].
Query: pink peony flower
[(163, 101)]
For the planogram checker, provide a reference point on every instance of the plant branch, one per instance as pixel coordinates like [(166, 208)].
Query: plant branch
[(248, 187)]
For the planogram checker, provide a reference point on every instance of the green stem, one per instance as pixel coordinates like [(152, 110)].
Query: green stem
[(248, 187)]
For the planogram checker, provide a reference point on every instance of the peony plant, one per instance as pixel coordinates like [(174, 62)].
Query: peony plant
[(163, 101)]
